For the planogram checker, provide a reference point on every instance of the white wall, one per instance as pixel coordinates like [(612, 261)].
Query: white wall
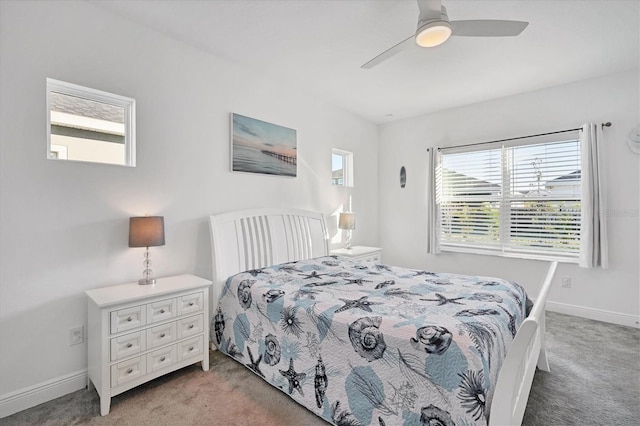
[(64, 225), (611, 294)]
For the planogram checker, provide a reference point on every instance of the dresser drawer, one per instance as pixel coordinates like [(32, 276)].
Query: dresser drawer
[(190, 326), (127, 319), (190, 348), (161, 335), (161, 358), (128, 370), (128, 345), (191, 303), (162, 310)]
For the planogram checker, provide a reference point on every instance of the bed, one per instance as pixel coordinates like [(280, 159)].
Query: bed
[(369, 343)]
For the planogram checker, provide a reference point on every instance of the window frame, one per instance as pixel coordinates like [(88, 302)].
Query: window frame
[(129, 105), (347, 167), (504, 248)]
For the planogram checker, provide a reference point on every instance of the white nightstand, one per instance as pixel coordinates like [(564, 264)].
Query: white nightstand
[(139, 332), (371, 254)]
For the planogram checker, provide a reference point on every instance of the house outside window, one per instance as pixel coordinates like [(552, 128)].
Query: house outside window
[(521, 200), (89, 125)]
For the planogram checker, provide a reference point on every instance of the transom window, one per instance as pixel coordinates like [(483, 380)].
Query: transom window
[(85, 124), (522, 200)]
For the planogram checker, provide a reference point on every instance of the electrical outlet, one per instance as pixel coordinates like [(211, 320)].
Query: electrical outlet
[(566, 282), (76, 335)]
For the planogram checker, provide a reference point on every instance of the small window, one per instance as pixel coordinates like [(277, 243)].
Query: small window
[(341, 168), (89, 125)]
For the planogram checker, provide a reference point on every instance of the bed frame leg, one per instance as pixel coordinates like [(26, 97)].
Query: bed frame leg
[(543, 361)]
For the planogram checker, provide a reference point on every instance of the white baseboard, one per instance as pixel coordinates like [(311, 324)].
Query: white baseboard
[(594, 314), (31, 396)]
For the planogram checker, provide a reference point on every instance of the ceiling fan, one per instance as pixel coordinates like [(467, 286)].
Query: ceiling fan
[(434, 28)]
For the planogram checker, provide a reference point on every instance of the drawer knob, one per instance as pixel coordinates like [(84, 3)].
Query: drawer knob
[(129, 370), (129, 319), (190, 348), (190, 326), (190, 303), (162, 335), (162, 359), (129, 345), (162, 311)]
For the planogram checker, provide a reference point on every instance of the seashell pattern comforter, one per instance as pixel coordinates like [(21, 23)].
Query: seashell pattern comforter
[(361, 343)]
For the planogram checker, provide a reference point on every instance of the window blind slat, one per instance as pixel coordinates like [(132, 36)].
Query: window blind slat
[(524, 198)]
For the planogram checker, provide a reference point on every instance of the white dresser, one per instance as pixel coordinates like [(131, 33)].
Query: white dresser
[(139, 332), (370, 254)]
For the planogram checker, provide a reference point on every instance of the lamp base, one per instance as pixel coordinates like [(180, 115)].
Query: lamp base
[(147, 281)]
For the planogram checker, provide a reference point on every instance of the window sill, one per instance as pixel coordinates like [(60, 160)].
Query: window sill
[(516, 255)]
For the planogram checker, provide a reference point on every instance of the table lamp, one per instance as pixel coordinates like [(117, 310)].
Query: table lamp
[(146, 231), (347, 221)]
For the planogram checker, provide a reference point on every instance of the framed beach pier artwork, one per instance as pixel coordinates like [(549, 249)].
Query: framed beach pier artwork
[(261, 147)]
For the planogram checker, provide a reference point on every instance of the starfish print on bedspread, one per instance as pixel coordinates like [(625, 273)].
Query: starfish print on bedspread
[(361, 303), (289, 269), (443, 300), (418, 273), (313, 274), (254, 365), (293, 377), (358, 281), (380, 267)]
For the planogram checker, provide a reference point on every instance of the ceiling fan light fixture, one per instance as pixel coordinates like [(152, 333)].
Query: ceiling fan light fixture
[(433, 33)]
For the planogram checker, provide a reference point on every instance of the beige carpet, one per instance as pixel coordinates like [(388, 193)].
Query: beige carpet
[(227, 394)]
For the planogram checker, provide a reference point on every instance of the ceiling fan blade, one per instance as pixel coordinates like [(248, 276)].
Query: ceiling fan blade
[(487, 28), (389, 52)]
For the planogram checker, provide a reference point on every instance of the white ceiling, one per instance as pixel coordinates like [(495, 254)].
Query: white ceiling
[(318, 46)]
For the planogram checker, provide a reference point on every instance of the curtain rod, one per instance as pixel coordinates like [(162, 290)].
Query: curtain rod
[(607, 124)]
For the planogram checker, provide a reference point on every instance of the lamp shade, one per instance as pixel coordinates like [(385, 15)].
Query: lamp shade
[(146, 231), (347, 221)]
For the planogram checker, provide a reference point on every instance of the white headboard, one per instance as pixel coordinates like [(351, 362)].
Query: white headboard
[(251, 239)]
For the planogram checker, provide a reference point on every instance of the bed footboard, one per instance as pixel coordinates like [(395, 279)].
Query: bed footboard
[(527, 351)]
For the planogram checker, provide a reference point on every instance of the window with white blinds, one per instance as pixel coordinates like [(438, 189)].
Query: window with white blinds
[(521, 200)]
